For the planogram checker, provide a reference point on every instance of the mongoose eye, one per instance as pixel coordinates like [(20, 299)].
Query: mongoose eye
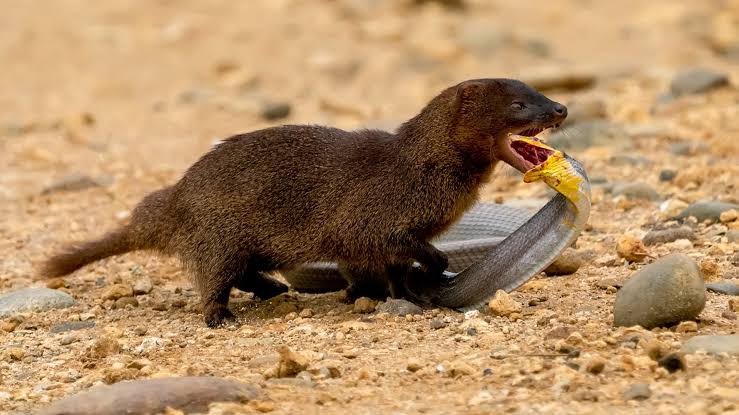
[(518, 105)]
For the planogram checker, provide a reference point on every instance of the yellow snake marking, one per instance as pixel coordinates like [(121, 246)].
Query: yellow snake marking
[(556, 171)]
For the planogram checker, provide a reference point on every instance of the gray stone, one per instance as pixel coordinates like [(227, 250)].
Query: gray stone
[(590, 134), (667, 175), (664, 236), (74, 182), (697, 81), (437, 324), (33, 299), (292, 382), (732, 235), (706, 210), (398, 307), (723, 288), (71, 326), (272, 111), (151, 396), (638, 391), (142, 286), (714, 344), (688, 148), (629, 160), (636, 191), (666, 292)]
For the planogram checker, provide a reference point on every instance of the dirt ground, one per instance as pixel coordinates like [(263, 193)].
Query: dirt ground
[(130, 93)]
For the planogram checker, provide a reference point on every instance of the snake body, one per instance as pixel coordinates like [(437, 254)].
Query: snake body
[(493, 247)]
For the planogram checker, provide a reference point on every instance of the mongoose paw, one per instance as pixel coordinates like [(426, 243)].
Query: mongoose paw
[(268, 288), (438, 263), (375, 291), (218, 315)]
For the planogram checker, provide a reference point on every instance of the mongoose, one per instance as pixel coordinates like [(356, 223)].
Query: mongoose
[(367, 199)]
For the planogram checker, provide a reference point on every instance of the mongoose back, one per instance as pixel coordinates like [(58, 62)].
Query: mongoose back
[(370, 200)]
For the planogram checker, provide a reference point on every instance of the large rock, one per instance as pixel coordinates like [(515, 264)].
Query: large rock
[(152, 396), (636, 191), (663, 236), (666, 292), (707, 210), (33, 299), (727, 288), (398, 307), (697, 81), (713, 344)]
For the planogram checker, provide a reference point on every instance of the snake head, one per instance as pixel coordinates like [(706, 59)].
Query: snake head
[(561, 172)]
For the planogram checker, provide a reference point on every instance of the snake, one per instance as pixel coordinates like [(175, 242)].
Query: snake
[(493, 246)]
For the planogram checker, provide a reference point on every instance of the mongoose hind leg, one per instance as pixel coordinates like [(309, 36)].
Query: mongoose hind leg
[(261, 284), (364, 282), (215, 289), (254, 277)]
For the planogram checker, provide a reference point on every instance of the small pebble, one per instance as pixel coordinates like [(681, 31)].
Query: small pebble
[(656, 350), (687, 327), (142, 286), (414, 365), (364, 305), (729, 215), (16, 353), (103, 347), (637, 391), (117, 291), (272, 111), (437, 323), (673, 362), (595, 365), (566, 264), (291, 363), (631, 249), (503, 304), (667, 175)]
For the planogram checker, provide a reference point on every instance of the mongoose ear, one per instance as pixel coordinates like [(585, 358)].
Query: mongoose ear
[(468, 91)]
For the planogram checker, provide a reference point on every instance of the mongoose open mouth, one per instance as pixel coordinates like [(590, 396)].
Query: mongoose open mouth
[(523, 153), (532, 151)]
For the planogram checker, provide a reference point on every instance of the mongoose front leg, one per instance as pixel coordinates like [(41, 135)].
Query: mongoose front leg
[(433, 261), (364, 281)]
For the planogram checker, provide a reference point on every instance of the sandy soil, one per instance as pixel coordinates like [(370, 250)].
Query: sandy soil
[(131, 93)]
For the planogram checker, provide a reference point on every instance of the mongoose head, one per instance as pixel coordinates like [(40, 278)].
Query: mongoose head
[(496, 109)]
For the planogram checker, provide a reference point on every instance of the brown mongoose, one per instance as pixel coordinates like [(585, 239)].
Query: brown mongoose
[(293, 194)]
